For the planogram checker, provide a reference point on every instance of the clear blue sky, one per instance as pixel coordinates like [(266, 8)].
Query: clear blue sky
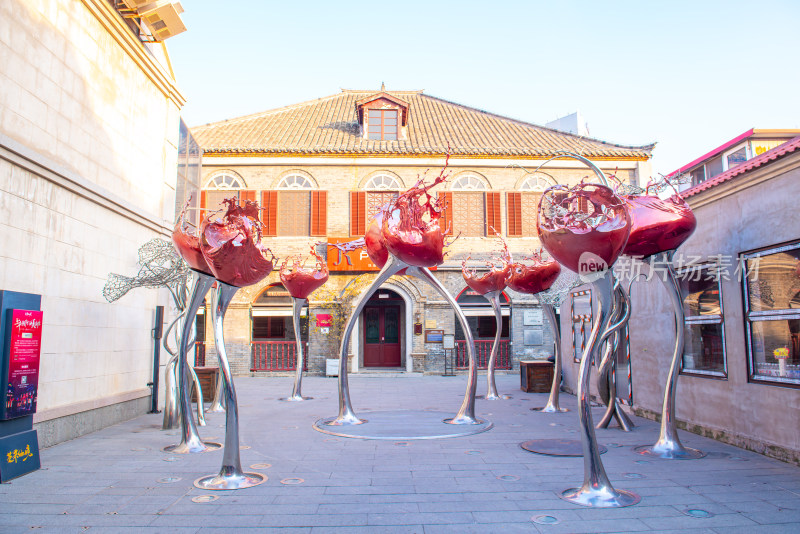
[(689, 75)]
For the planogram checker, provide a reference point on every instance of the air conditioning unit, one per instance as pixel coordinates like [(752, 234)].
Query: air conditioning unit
[(162, 17)]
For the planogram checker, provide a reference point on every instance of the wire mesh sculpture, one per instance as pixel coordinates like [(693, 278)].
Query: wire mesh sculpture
[(161, 266)]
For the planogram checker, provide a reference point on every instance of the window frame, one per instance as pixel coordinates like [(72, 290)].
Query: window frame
[(706, 319), (759, 316), (382, 124)]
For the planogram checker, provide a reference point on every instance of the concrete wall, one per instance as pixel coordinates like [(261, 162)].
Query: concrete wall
[(88, 144), (749, 212)]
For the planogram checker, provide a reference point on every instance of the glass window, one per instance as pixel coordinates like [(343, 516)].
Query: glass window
[(704, 335), (714, 167), (295, 181), (382, 124), (698, 175), (382, 182), (537, 181), (468, 183), (772, 300), (735, 158)]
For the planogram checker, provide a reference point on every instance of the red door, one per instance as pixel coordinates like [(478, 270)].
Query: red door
[(382, 336)]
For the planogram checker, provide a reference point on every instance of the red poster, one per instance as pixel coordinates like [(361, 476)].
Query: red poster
[(23, 368), (324, 320)]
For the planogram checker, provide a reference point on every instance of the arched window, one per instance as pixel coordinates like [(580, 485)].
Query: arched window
[(225, 181), (295, 181), (537, 182), (383, 182), (468, 182)]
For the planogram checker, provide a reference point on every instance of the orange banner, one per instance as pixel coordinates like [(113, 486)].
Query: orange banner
[(342, 259)]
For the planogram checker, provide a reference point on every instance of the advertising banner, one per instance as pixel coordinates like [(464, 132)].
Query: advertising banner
[(24, 344)]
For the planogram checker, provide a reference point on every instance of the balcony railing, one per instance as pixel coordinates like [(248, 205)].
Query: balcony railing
[(483, 350), (199, 353), (276, 356)]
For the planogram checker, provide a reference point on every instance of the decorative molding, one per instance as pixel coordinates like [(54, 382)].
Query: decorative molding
[(85, 406), (113, 23), (32, 161), (382, 156)]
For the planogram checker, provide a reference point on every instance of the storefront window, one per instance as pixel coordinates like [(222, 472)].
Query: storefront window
[(772, 300), (704, 335)]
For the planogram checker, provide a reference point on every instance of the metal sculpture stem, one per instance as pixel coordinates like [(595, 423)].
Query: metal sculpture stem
[(669, 445), (491, 386), (607, 386), (600, 175), (297, 307), (172, 406), (230, 475), (190, 439), (596, 490), (346, 414), (552, 405), (218, 404), (466, 413)]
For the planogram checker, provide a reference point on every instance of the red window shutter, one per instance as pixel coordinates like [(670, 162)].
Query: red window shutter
[(247, 194), (202, 208), (446, 221), (319, 213), (494, 219), (514, 213), (358, 213), (269, 213)]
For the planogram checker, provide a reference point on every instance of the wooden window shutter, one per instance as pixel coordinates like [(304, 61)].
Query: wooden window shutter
[(358, 213), (202, 208), (247, 194), (269, 213), (514, 214), (494, 218), (319, 213), (446, 221)]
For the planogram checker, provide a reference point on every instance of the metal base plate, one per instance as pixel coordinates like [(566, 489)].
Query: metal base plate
[(233, 482), (600, 498), (295, 399), (542, 409), (557, 447), (402, 425), (492, 397), (667, 453), (183, 448)]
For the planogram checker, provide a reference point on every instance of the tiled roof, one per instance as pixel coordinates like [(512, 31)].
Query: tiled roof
[(770, 155), (328, 126)]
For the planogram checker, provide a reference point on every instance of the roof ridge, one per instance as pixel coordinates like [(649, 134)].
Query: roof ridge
[(373, 92), (251, 116), (526, 123)]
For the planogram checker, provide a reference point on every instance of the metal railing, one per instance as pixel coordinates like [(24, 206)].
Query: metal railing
[(483, 350), (275, 356), (199, 353)]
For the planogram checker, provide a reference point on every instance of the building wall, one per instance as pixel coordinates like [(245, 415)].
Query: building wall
[(752, 211), (340, 176), (88, 145)]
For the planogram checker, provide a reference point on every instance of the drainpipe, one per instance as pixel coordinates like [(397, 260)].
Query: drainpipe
[(157, 333)]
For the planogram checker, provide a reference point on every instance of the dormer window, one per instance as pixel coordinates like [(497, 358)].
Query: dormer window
[(382, 124)]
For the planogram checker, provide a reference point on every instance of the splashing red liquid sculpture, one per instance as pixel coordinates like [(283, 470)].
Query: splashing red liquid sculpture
[(657, 225), (411, 229), (585, 227), (232, 246), (301, 281), (187, 244), (495, 279), (534, 278), (373, 239)]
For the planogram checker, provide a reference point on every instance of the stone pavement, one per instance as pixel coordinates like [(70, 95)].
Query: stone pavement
[(118, 480)]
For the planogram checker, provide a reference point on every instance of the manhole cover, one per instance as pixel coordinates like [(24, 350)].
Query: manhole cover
[(642, 462), (171, 459), (138, 449), (634, 475), (292, 481), (556, 424), (697, 512), (738, 459), (613, 445), (168, 480), (244, 447), (205, 498), (260, 466), (545, 520), (508, 478), (289, 428)]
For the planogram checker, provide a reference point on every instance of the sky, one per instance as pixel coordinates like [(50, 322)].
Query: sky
[(687, 75)]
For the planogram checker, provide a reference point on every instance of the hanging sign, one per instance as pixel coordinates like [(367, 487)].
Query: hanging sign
[(24, 335)]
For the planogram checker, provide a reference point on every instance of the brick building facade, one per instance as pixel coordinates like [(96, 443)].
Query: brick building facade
[(322, 168)]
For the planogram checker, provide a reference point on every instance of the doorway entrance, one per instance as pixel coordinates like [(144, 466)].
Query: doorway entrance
[(382, 330)]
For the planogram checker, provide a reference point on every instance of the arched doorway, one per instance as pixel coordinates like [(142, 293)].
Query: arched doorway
[(272, 336), (383, 331), (483, 325)]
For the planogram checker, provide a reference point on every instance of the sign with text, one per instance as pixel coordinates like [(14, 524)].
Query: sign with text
[(348, 258), (23, 349), (324, 320), (19, 454)]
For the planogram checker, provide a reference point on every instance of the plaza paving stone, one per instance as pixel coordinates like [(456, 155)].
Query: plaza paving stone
[(108, 481)]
